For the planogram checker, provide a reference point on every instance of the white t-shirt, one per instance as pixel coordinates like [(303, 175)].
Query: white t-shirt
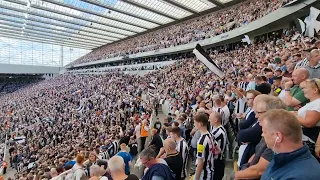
[(137, 130), (311, 106), (226, 112)]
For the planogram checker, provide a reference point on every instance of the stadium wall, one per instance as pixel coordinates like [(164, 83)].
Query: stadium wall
[(263, 25), (139, 72), (27, 69)]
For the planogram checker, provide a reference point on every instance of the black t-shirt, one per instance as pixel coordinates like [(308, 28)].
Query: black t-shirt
[(157, 142), (175, 163), (132, 177)]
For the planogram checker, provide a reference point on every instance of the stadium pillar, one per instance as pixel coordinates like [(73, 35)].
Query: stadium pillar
[(61, 58)]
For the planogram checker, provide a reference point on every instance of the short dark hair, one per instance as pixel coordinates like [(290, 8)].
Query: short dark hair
[(176, 123), (177, 131), (202, 118), (148, 153)]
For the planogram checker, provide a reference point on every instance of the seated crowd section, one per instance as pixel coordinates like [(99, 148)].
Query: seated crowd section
[(264, 114), (196, 29)]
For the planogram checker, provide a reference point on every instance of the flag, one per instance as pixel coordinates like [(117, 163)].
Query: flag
[(205, 59), (300, 25), (152, 86), (246, 39), (311, 22)]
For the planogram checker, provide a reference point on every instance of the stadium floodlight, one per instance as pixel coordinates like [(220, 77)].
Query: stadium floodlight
[(23, 27), (22, 32), (26, 15)]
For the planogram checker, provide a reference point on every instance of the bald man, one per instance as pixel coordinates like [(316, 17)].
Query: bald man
[(174, 158), (294, 96), (313, 66)]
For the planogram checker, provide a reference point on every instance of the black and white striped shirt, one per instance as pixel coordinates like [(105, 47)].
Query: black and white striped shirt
[(301, 64), (104, 155), (243, 85), (183, 148), (206, 151), (220, 136), (113, 148)]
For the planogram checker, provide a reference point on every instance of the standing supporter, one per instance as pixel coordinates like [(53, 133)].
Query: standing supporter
[(173, 158), (156, 142), (91, 161), (78, 170), (282, 132), (182, 148), (207, 148), (313, 65), (116, 167), (126, 158), (144, 133), (220, 135)]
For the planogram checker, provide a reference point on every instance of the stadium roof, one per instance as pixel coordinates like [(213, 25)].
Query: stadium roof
[(89, 24)]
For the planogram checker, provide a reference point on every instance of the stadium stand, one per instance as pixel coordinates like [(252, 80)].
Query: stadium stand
[(193, 30), (263, 114)]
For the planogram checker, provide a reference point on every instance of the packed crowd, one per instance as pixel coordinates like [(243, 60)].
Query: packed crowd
[(200, 28), (72, 124), (60, 117)]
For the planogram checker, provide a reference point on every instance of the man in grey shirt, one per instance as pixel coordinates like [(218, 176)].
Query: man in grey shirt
[(313, 65)]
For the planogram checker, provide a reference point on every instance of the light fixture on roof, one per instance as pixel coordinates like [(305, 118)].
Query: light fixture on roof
[(23, 27), (26, 16), (24, 24), (22, 32)]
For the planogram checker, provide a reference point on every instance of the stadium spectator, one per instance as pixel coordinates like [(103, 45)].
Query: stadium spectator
[(314, 66), (117, 169), (182, 148), (220, 135), (207, 149), (294, 97), (258, 162), (126, 158), (156, 169), (283, 134), (173, 158), (250, 130)]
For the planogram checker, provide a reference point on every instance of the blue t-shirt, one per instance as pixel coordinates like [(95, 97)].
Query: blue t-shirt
[(126, 158)]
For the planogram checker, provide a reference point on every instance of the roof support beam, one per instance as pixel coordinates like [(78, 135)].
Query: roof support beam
[(149, 9), (64, 37), (39, 40), (70, 34), (60, 25), (93, 13), (44, 36), (181, 6), (60, 19), (217, 3), (100, 4)]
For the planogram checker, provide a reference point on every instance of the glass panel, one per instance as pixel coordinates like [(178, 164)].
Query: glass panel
[(164, 8), (14, 51), (196, 5)]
